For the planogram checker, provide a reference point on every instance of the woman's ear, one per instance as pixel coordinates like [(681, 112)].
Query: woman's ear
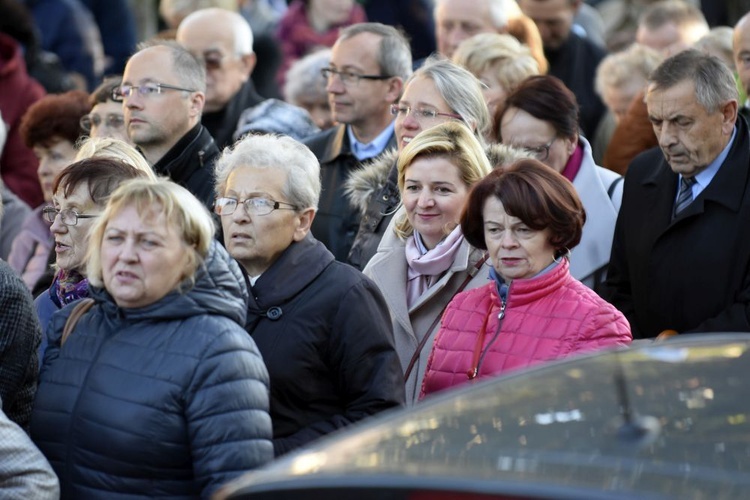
[(304, 219)]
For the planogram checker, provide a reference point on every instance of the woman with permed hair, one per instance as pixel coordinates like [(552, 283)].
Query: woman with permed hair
[(50, 127)]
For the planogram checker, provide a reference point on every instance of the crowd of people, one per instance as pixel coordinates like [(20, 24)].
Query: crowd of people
[(271, 220)]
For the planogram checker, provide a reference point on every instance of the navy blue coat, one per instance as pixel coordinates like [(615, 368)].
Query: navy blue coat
[(167, 400)]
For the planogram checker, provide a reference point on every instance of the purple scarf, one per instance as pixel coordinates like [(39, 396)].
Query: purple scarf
[(68, 287), (426, 266)]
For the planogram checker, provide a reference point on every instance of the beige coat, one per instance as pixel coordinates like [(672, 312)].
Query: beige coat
[(388, 269)]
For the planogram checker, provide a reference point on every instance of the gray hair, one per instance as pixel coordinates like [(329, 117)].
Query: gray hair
[(302, 187), (620, 68), (714, 81), (461, 91), (189, 70), (303, 78), (394, 52), (678, 12)]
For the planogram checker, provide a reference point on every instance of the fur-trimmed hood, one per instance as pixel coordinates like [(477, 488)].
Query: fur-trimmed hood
[(364, 182), (369, 179)]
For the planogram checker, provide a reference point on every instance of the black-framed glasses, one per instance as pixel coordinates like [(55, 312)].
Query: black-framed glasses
[(145, 90), (427, 114), (112, 120), (68, 216), (254, 206), (349, 78), (541, 153)]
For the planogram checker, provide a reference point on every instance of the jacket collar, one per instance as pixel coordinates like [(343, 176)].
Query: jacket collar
[(298, 266), (180, 162), (223, 123), (339, 145), (524, 291)]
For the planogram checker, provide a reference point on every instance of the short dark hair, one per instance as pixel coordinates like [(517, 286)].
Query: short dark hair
[(103, 93), (54, 115), (536, 194), (102, 174), (546, 98)]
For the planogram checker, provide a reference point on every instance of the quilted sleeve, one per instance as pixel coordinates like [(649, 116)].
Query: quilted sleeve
[(227, 411), (603, 327)]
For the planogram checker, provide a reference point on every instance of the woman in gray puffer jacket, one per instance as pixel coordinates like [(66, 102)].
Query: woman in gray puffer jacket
[(158, 391)]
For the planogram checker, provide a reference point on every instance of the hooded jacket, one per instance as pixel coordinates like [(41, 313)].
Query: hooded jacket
[(166, 400), (325, 334), (190, 163)]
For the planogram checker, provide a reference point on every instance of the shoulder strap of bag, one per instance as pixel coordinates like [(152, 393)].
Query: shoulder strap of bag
[(428, 333), (79, 310)]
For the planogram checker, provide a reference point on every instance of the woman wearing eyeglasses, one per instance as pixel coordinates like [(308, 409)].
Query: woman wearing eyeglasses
[(322, 327), (541, 116), (50, 128), (80, 193), (106, 118)]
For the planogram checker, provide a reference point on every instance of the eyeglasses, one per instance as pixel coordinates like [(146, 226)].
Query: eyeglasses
[(427, 114), (145, 90), (349, 78), (112, 120), (68, 216), (541, 153), (255, 206)]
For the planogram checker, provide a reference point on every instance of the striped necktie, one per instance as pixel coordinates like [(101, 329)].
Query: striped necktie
[(685, 196)]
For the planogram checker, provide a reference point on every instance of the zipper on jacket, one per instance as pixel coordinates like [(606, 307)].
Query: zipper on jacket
[(479, 358)]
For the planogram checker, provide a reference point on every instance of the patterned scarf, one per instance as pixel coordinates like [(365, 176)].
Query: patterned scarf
[(427, 266), (67, 287)]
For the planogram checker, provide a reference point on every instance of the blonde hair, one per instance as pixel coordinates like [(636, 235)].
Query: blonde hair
[(109, 147), (511, 61), (149, 196), (618, 69), (454, 142)]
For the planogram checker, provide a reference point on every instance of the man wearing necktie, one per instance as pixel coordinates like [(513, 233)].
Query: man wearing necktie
[(681, 252)]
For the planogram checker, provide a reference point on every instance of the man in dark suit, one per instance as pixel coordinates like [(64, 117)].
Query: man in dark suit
[(369, 64), (681, 253)]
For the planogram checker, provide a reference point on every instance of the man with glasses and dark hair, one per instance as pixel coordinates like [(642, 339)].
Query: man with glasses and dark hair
[(223, 41), (369, 64), (163, 94)]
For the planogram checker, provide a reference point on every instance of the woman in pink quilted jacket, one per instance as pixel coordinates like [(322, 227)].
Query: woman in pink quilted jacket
[(527, 217)]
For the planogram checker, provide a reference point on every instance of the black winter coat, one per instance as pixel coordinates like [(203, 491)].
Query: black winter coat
[(690, 274), (325, 334), (190, 163), (167, 400)]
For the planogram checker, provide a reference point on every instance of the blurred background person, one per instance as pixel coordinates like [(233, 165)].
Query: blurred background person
[(619, 78), (223, 42), (718, 42), (527, 217), (305, 88), (500, 62), (81, 191), (572, 58), (741, 52), (335, 364), (111, 147), (274, 116), (189, 411), (309, 25), (437, 92), (50, 128), (264, 46), (423, 259), (106, 118), (457, 20), (667, 26), (13, 210), (541, 116)]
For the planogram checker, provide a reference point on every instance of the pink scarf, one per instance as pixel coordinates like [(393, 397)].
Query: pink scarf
[(426, 266)]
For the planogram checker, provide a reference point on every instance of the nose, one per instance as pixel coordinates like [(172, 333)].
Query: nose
[(45, 168), (334, 85), (426, 198), (132, 101), (508, 239), (409, 121), (128, 252), (666, 135), (240, 214), (57, 226)]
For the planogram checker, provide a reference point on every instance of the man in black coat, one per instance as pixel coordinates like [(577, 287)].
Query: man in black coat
[(681, 252), (369, 64), (163, 94), (572, 58)]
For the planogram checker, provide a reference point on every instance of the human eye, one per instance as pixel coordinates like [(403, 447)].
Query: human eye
[(683, 121), (114, 238), (149, 89), (225, 205), (411, 187), (493, 229), (349, 77), (402, 110), (149, 243), (427, 113), (261, 203), (443, 190)]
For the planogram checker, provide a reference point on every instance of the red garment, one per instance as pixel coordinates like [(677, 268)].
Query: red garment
[(18, 91), (546, 317), (574, 163), (298, 38)]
